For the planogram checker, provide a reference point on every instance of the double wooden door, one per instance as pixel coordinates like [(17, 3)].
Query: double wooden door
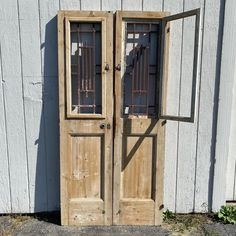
[(111, 129)]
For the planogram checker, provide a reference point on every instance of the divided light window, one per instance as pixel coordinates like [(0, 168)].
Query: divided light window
[(149, 48), (154, 45), (85, 59)]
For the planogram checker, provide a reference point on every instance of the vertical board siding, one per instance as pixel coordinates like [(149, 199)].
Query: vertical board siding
[(29, 144), (50, 121), (153, 5), (224, 177), (187, 132), (171, 154), (14, 107), (111, 5), (5, 193), (132, 5), (32, 81), (231, 167), (72, 4), (211, 57), (91, 5)]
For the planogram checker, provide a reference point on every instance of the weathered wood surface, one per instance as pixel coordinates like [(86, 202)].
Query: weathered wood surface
[(29, 140)]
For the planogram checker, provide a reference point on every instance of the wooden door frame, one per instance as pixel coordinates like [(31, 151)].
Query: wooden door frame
[(159, 188), (64, 117)]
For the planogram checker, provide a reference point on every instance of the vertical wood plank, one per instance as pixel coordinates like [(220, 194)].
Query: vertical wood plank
[(15, 120), (231, 167), (48, 24), (48, 11), (94, 5), (5, 193), (226, 113), (171, 140), (231, 171), (132, 5), (187, 143), (32, 81), (211, 57), (111, 5), (70, 5), (153, 5)]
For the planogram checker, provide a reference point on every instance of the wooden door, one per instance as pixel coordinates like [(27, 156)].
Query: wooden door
[(95, 190), (86, 116), (139, 133), (141, 91)]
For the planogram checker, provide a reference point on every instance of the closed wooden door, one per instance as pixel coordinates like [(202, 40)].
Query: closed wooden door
[(86, 117), (141, 91)]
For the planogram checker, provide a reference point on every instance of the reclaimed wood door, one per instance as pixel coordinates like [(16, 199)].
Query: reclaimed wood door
[(124, 187), (139, 133), (86, 117), (141, 101)]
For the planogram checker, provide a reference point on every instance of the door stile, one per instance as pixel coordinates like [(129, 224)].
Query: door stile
[(118, 123), (63, 147), (86, 139)]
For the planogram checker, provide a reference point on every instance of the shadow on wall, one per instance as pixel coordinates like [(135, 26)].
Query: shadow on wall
[(47, 169), (215, 106)]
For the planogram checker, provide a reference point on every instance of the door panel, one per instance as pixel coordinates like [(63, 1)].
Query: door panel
[(86, 104), (139, 133)]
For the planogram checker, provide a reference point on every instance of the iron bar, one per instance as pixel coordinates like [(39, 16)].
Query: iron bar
[(94, 68), (78, 68)]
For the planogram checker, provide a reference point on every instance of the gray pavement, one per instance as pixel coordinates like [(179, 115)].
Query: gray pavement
[(33, 227)]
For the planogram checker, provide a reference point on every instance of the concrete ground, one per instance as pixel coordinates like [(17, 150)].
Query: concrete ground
[(31, 226)]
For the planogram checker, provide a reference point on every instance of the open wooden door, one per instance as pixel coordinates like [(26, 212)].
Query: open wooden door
[(141, 91), (86, 116)]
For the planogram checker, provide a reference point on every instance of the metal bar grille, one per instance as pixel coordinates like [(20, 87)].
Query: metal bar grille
[(141, 67), (84, 69)]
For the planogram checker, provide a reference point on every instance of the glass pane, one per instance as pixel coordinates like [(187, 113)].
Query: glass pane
[(86, 68), (140, 69)]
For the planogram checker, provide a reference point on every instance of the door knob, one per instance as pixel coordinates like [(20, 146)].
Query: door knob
[(118, 67), (107, 67), (105, 126), (102, 126)]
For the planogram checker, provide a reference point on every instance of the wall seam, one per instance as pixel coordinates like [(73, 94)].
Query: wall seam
[(199, 104), (216, 97), (6, 137), (24, 115), (178, 129)]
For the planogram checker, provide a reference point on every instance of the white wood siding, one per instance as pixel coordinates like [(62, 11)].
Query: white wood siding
[(225, 172), (225, 155), (29, 138)]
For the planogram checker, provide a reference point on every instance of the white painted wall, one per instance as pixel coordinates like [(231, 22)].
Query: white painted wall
[(224, 173), (29, 157), (231, 167)]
